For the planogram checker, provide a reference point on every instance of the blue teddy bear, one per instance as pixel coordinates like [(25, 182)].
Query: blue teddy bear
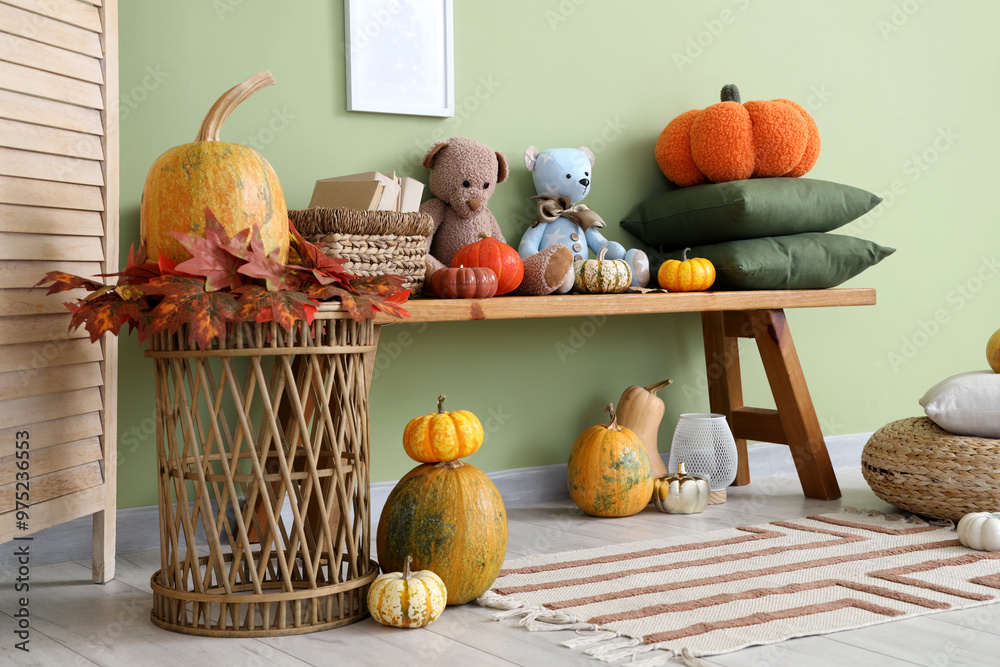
[(562, 179)]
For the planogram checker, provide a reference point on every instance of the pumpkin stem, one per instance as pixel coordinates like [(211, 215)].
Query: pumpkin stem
[(684, 255), (681, 470), (613, 424), (653, 388), (484, 235), (217, 115), (454, 463), (406, 567), (600, 255), (730, 93), (441, 404)]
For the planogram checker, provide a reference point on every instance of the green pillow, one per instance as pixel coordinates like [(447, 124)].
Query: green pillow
[(750, 209), (798, 261)]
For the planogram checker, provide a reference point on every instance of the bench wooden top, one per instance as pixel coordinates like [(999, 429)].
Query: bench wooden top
[(582, 305)]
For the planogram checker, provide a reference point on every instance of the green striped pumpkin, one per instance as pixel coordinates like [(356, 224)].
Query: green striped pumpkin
[(602, 276), (451, 519)]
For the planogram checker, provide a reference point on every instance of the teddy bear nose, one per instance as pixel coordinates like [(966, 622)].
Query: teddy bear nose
[(584, 182), (474, 204)]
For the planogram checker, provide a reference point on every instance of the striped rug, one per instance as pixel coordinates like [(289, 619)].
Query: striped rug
[(721, 591)]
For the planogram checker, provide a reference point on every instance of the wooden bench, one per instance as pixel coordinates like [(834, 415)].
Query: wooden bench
[(726, 317)]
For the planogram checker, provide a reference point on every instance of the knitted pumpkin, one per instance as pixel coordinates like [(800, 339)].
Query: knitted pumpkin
[(730, 141)]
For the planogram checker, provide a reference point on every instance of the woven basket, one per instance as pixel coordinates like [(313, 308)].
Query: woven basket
[(917, 466), (374, 243)]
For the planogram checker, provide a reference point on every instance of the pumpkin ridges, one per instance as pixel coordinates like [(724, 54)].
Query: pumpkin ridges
[(811, 153), (722, 142), (673, 151), (499, 257), (778, 140)]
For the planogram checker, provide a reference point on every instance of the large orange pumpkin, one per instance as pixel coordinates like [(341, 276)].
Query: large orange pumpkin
[(235, 182), (730, 141), (609, 473), (451, 519), (493, 254)]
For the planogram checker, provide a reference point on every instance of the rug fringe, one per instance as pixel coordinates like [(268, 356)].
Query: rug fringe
[(588, 639), (609, 652)]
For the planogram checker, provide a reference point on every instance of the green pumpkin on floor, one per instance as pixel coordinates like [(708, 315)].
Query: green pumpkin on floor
[(451, 518)]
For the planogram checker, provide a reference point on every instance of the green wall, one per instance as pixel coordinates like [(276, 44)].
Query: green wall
[(899, 91)]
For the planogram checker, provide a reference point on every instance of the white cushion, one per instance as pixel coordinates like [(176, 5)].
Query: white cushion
[(966, 404)]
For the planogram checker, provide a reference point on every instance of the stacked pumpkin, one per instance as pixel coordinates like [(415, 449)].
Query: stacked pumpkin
[(479, 270), (736, 199), (445, 514)]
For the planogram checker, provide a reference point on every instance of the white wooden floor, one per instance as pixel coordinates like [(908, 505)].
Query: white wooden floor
[(74, 622)]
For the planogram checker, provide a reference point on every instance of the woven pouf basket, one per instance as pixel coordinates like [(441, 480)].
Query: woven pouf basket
[(919, 467), (373, 243)]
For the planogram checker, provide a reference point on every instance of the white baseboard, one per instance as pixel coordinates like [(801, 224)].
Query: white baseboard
[(138, 527)]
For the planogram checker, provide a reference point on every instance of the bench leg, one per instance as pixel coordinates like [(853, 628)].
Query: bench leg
[(794, 422), (725, 388), (795, 407)]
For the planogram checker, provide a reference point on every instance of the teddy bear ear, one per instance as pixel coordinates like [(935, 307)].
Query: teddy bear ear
[(589, 153), (432, 153), (530, 156), (502, 169)]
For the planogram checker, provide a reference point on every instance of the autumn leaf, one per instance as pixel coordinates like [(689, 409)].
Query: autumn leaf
[(215, 256), (107, 312), (206, 314), (137, 268), (64, 282), (285, 307), (266, 266)]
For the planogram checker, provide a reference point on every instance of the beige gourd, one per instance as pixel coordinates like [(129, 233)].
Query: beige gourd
[(641, 410)]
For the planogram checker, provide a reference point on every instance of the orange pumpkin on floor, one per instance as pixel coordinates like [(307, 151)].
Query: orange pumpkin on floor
[(235, 182), (609, 473), (730, 141)]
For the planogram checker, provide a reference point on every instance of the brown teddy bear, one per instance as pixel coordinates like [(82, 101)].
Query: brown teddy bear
[(464, 174)]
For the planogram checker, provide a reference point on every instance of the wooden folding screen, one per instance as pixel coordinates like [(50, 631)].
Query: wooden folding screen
[(58, 211)]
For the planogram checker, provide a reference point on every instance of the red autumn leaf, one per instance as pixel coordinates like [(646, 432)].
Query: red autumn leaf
[(215, 256), (285, 307), (137, 269), (173, 283), (266, 266), (311, 257), (63, 282), (206, 314), (107, 312)]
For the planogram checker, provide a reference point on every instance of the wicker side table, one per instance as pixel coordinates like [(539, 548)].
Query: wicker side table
[(261, 421)]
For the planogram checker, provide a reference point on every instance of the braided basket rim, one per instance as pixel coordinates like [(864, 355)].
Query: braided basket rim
[(352, 221)]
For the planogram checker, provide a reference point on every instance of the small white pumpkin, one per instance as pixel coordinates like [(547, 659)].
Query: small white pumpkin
[(602, 276), (980, 530), (405, 600)]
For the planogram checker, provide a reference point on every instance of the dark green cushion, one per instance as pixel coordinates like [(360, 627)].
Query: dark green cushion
[(798, 261), (750, 209)]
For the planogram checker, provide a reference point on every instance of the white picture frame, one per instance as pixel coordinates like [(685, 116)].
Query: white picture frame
[(400, 56)]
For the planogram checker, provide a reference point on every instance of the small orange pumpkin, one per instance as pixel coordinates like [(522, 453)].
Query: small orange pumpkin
[(234, 181), (464, 282), (443, 436), (492, 254), (730, 141), (686, 275)]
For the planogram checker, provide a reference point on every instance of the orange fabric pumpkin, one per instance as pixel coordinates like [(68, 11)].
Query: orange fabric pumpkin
[(686, 275), (492, 254), (234, 181), (730, 141)]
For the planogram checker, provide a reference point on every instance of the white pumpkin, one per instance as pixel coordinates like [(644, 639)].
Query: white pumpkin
[(980, 530), (405, 599)]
